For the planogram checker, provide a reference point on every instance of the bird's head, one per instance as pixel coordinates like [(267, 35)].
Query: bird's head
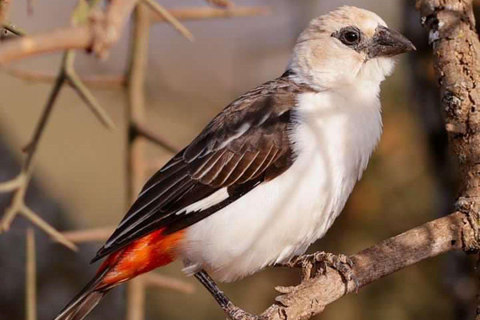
[(347, 46)]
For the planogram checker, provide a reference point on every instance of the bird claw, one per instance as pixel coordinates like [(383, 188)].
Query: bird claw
[(318, 263), (235, 313)]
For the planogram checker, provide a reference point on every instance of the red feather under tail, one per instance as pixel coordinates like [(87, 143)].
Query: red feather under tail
[(152, 251)]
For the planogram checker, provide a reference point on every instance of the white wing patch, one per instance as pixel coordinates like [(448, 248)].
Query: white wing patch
[(206, 203)]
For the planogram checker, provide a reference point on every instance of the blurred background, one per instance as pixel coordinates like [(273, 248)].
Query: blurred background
[(80, 180)]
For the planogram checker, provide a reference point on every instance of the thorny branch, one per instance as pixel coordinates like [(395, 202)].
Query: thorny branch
[(31, 277), (135, 114), (90, 36), (93, 81), (19, 185), (170, 18)]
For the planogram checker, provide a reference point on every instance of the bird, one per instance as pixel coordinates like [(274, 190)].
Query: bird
[(269, 174)]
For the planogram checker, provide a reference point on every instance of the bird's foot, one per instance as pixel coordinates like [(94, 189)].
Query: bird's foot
[(235, 313), (318, 262)]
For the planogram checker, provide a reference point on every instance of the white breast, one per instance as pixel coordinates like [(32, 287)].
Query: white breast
[(333, 139)]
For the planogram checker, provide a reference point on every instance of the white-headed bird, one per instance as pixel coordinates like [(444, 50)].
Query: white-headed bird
[(269, 174)]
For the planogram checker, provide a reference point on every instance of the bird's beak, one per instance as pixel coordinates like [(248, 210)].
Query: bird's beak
[(388, 43)]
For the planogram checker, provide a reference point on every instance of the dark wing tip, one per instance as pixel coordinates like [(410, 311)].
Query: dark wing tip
[(99, 255)]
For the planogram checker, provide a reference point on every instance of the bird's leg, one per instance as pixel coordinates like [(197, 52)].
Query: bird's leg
[(233, 312), (317, 262)]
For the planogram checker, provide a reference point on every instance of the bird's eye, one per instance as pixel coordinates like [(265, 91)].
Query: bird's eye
[(350, 37)]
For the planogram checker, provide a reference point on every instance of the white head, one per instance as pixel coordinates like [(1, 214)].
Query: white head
[(345, 47)]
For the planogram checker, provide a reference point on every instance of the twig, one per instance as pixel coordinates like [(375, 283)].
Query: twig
[(135, 114), (135, 299), (90, 235), (96, 81), (82, 37), (89, 99), (13, 184), (80, 16), (14, 29), (20, 184), (192, 14), (165, 14), (4, 9), (136, 100), (142, 130), (108, 28), (158, 280), (25, 175), (42, 224), (99, 35), (57, 40), (31, 277)]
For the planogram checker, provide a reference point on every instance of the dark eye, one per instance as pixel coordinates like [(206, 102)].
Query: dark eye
[(350, 37)]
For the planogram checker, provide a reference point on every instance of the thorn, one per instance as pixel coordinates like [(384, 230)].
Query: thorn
[(89, 99), (47, 228), (160, 10)]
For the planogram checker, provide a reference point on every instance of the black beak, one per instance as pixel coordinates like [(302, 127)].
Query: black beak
[(388, 43)]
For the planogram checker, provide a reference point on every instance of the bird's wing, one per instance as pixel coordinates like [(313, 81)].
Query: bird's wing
[(245, 145)]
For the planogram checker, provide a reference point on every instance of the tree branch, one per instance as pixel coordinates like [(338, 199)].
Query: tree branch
[(141, 129), (456, 50), (14, 29), (192, 14), (90, 235), (83, 37), (20, 184), (93, 81), (170, 18), (4, 9), (31, 277), (135, 113), (453, 232)]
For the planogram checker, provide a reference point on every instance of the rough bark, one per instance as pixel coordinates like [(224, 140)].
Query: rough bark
[(456, 49)]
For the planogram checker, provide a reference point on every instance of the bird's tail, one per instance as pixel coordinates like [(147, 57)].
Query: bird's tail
[(80, 306), (143, 255)]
